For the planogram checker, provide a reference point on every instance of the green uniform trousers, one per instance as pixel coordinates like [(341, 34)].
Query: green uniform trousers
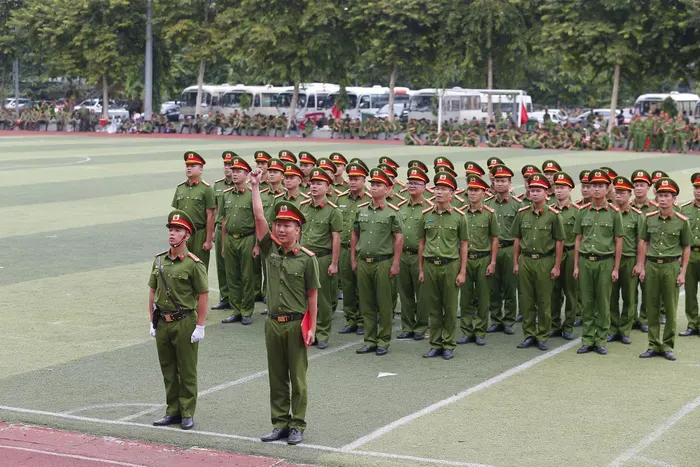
[(596, 284), (239, 274), (348, 278), (475, 298), (643, 307), (195, 243), (565, 292), (621, 320), (376, 300), (257, 280), (221, 267), (661, 288), (639, 139), (692, 277), (325, 309), (413, 318), (178, 363), (504, 284), (286, 364), (439, 294), (536, 291)]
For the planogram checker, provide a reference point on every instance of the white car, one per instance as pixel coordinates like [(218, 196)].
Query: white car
[(558, 116), (10, 103), (96, 105)]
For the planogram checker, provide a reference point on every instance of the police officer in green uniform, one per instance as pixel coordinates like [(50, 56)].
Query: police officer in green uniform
[(475, 294), (177, 305), (597, 258), (237, 236), (321, 235), (292, 293), (537, 252), (621, 320), (219, 187), (287, 156), (504, 284), (261, 160), (442, 261), (376, 244), (565, 286), (691, 210), (293, 177), (340, 184), (348, 203), (196, 198), (414, 320), (667, 239), (306, 162)]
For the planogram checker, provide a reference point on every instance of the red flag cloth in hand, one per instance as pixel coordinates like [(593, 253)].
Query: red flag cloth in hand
[(523, 114), (305, 326), (335, 111)]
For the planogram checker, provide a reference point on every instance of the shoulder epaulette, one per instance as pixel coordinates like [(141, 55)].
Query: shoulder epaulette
[(688, 203), (460, 199), (402, 203), (399, 196), (430, 202), (574, 203), (307, 251), (205, 183), (427, 209), (305, 195), (524, 208), (404, 190), (652, 213), (392, 206), (460, 210), (366, 203), (274, 239), (517, 197), (614, 207), (220, 180), (635, 210), (489, 197), (553, 209), (400, 182), (431, 198), (182, 183), (228, 189), (332, 204), (265, 190), (193, 256), (653, 203), (346, 192), (162, 253), (338, 192), (682, 217), (429, 189), (489, 209), (303, 203), (279, 196), (587, 205)]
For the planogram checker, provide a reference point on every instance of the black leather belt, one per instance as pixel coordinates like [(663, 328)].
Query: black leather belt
[(242, 235), (538, 255), (569, 248), (176, 316), (505, 243), (438, 261), (323, 253), (478, 254), (595, 258), (287, 318), (663, 260), (410, 251), (376, 259)]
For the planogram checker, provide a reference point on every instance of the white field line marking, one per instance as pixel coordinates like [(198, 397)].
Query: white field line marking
[(647, 460), (84, 160), (71, 456), (237, 437), (109, 406), (649, 439), (457, 397)]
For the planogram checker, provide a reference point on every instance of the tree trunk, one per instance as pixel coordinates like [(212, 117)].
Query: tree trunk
[(2, 87), (489, 86), (293, 104), (613, 101), (105, 97), (392, 85), (200, 83)]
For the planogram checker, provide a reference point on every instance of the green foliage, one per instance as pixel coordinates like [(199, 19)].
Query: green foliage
[(343, 100), (245, 101), (669, 107)]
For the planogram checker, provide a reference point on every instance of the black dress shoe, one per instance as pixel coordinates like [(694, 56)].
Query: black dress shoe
[(601, 350), (625, 340), (508, 330), (405, 335), (480, 340), (231, 319), (648, 354), (223, 305), (259, 298), (662, 320), (295, 436), (360, 330), (347, 329), (168, 420), (187, 423), (688, 332), (526, 343), (584, 349), (448, 354), (246, 320), (644, 327), (578, 323), (466, 340), (494, 328), (518, 318), (322, 345), (418, 336), (542, 346), (611, 338), (636, 325), (668, 355), (432, 353), (381, 351), (275, 435), (568, 335), (366, 349), (555, 333)]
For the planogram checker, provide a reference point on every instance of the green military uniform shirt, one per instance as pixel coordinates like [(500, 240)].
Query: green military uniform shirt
[(443, 232), (568, 215), (237, 207), (632, 222), (348, 206), (483, 225), (645, 207), (321, 221), (195, 199), (186, 276), (377, 227), (538, 231), (412, 215), (667, 236), (219, 187), (267, 196), (505, 212), (692, 211), (598, 228), (291, 276)]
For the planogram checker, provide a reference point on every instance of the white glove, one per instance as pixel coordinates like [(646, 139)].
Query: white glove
[(153, 331), (198, 334)]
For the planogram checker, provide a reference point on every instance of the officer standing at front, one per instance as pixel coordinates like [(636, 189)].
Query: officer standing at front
[(177, 305)]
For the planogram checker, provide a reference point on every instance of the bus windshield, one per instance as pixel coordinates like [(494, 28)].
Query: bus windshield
[(421, 103), (189, 98), (352, 99), (232, 99), (285, 100)]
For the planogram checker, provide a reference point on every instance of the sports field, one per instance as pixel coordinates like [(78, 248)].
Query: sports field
[(82, 218)]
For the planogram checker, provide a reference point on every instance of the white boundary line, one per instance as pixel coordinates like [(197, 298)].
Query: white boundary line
[(649, 439), (71, 456), (457, 397), (109, 406), (237, 437)]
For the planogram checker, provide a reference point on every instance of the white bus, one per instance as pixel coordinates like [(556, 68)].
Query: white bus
[(211, 99), (504, 103), (648, 104), (312, 101), (457, 104), (697, 112), (368, 100), (263, 99)]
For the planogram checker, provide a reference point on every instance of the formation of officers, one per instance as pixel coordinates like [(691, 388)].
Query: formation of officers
[(478, 259)]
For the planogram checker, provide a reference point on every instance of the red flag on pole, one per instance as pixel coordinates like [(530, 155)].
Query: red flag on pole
[(335, 111), (523, 114)]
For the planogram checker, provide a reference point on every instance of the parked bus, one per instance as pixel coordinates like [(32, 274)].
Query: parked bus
[(211, 99), (649, 104), (504, 103), (263, 99), (697, 112), (368, 100), (312, 100), (457, 104)]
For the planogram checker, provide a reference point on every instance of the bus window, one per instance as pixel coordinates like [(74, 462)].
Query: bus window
[(379, 100), (311, 101), (421, 103), (364, 102), (231, 100), (215, 100), (321, 101), (268, 99), (256, 101)]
